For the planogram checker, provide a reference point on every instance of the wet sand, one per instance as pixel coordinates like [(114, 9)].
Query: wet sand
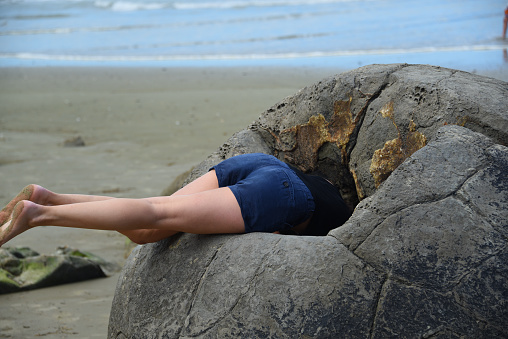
[(141, 129)]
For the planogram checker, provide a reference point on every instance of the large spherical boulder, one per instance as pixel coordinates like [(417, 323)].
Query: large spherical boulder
[(420, 151)]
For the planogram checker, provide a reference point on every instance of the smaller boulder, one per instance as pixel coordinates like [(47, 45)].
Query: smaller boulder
[(74, 142), (23, 269)]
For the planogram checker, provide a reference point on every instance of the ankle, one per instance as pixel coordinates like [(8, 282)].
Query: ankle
[(34, 214), (43, 196)]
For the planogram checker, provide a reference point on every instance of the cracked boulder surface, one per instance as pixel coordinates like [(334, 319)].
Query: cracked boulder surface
[(425, 253)]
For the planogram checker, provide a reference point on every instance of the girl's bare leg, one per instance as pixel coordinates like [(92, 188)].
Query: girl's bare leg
[(142, 236), (211, 211), (43, 196)]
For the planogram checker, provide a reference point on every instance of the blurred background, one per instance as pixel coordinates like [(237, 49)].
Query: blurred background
[(462, 34)]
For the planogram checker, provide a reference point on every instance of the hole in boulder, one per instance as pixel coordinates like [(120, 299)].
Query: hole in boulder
[(330, 165)]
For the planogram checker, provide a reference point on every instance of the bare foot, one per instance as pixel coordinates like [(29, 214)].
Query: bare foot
[(31, 192), (25, 194), (18, 223)]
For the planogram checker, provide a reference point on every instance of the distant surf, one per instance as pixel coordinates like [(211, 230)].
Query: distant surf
[(315, 54), (39, 31)]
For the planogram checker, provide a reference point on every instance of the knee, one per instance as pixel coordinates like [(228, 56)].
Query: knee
[(136, 236), (146, 236), (138, 240)]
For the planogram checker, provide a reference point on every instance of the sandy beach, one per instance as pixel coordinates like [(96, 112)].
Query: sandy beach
[(141, 129)]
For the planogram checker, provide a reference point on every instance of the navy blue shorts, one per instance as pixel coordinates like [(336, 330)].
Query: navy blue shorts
[(271, 196)]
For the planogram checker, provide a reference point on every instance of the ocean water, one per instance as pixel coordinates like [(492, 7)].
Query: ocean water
[(464, 34)]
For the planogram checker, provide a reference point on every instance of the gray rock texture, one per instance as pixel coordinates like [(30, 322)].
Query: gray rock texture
[(22, 269), (420, 152)]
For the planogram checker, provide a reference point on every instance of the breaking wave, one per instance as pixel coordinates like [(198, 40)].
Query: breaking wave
[(316, 54)]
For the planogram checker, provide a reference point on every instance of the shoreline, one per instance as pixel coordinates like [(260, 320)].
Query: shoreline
[(142, 127), (491, 58)]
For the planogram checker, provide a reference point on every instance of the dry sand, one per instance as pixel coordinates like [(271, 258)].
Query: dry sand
[(141, 128)]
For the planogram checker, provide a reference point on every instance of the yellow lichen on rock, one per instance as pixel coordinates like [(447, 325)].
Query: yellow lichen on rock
[(341, 125), (359, 190), (387, 110), (302, 142), (414, 140), (386, 160), (394, 152), (305, 141)]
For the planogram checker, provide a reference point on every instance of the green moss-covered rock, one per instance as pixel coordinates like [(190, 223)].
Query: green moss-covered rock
[(24, 269), (7, 284), (23, 252)]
